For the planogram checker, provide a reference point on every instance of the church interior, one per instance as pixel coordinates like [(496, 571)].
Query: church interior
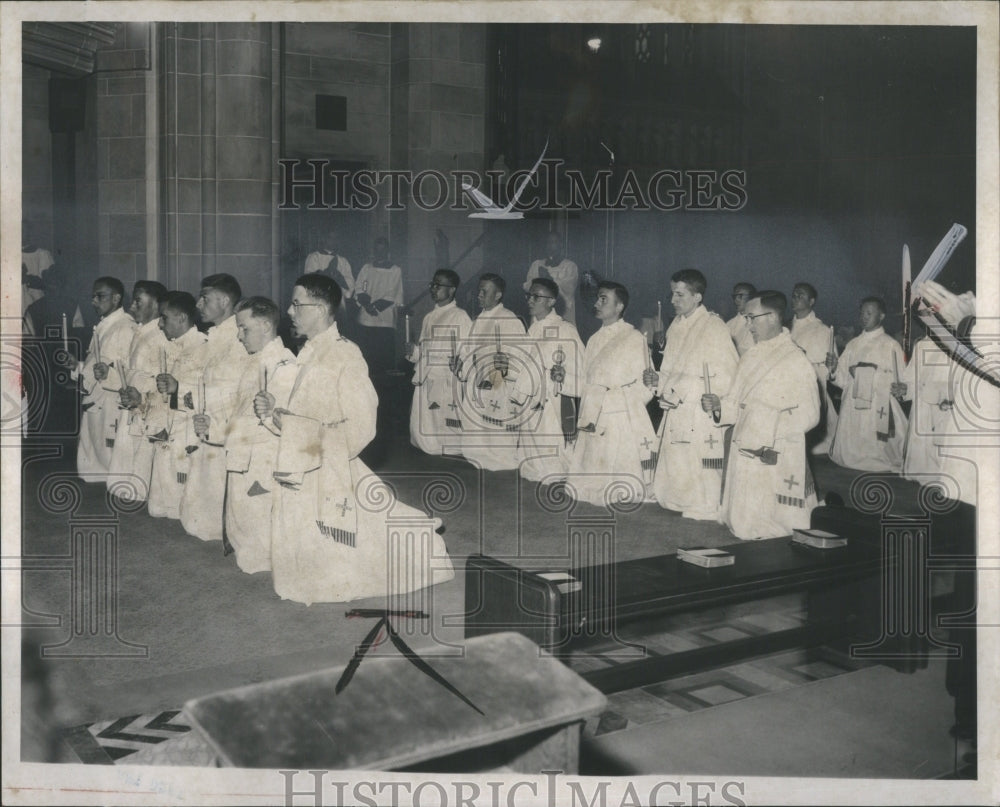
[(171, 151)]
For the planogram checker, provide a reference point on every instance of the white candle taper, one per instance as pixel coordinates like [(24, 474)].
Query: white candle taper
[(65, 333), (262, 376), (895, 367), (407, 320), (708, 383), (833, 342), (97, 347), (201, 396)]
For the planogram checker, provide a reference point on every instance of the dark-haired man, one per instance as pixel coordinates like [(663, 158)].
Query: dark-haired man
[(435, 421), (613, 459), (101, 379), (816, 339), (485, 368), (201, 509), (251, 447), (871, 429), (742, 338), (168, 420), (132, 456), (548, 388), (688, 474), (333, 519), (772, 403)]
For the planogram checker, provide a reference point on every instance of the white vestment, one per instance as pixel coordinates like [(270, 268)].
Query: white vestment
[(871, 427), (489, 419), (928, 386), (566, 275), (132, 455), (224, 361), (688, 473), (338, 532), (169, 427), (815, 338), (613, 459), (542, 451), (251, 448), (320, 262), (380, 284), (739, 330), (435, 424), (772, 403), (109, 345)]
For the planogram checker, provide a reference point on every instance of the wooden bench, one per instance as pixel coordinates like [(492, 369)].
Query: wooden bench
[(843, 588)]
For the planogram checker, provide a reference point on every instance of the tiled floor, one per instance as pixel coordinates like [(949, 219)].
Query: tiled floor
[(165, 738)]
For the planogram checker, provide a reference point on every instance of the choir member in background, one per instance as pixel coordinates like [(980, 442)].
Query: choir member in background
[(546, 393), (338, 268), (768, 489), (169, 418), (699, 357), (484, 368), (435, 415), (871, 427), (613, 458), (201, 508), (100, 378), (333, 537), (816, 339), (132, 455), (34, 261), (378, 293), (251, 447), (738, 328), (562, 271)]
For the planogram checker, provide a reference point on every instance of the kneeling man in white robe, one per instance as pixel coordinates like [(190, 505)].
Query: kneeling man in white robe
[(774, 400), (338, 533), (251, 447)]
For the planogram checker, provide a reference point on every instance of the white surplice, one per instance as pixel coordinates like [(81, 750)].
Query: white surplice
[(815, 338)]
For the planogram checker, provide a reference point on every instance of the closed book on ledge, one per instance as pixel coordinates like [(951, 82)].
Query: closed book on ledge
[(818, 539), (707, 558)]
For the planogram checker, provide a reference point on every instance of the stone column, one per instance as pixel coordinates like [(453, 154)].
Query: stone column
[(219, 153)]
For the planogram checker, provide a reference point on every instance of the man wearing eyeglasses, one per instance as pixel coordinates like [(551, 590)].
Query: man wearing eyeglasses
[(100, 376), (330, 518), (546, 392), (816, 339), (698, 357), (738, 328), (487, 365), (201, 508), (435, 420), (768, 489), (872, 427)]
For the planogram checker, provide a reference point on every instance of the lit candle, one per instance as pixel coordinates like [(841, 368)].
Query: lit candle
[(833, 342), (407, 320), (708, 383), (659, 312), (65, 333)]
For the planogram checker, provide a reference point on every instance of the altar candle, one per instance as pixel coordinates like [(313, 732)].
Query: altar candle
[(65, 334), (708, 383), (407, 319)]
